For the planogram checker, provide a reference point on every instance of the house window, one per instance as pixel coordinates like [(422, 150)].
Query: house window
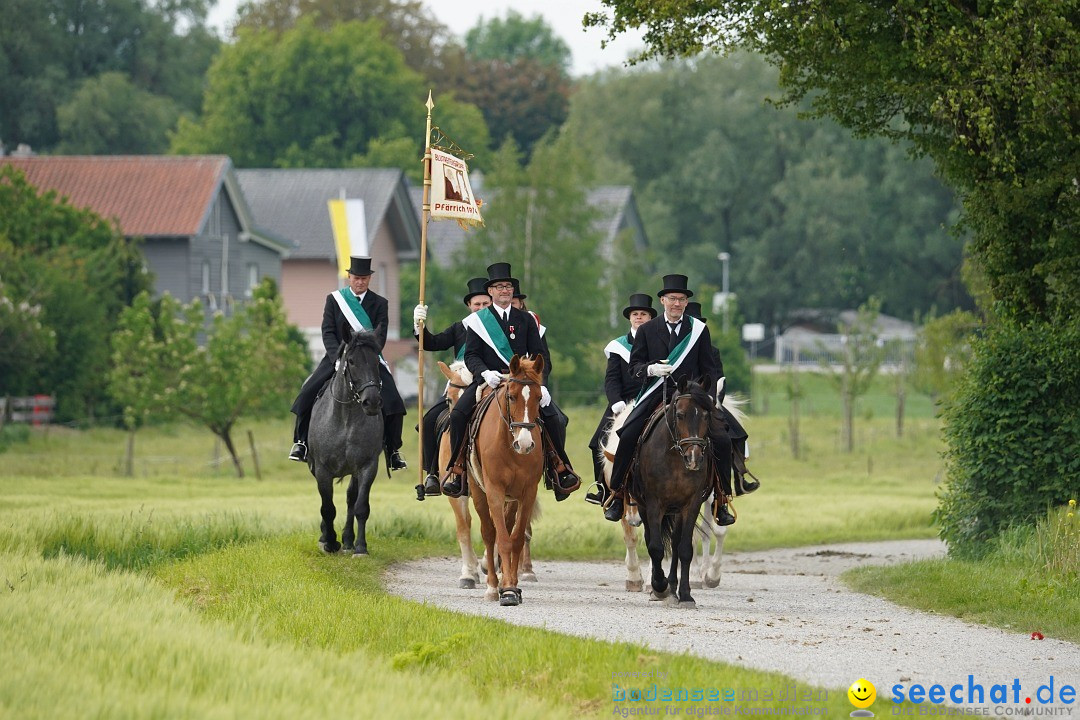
[(253, 278), (205, 277)]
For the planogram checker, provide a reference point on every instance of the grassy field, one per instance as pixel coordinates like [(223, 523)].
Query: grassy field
[(187, 592)]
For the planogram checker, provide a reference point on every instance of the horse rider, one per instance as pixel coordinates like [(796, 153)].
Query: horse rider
[(518, 301), (620, 386), (736, 431), (357, 308), (494, 335), (667, 349), (452, 337)]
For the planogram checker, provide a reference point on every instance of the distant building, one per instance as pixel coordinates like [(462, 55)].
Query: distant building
[(814, 337), (199, 238)]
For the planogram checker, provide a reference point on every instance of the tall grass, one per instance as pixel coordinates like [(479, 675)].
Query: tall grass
[(1029, 580)]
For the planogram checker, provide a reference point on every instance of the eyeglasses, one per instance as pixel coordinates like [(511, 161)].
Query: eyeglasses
[(502, 286), (676, 300)]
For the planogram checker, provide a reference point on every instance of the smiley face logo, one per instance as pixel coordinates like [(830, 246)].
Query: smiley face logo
[(862, 694)]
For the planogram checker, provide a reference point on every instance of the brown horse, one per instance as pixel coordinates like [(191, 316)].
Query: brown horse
[(505, 465), (672, 477), (459, 379)]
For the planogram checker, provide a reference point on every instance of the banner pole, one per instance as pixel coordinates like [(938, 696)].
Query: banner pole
[(424, 215)]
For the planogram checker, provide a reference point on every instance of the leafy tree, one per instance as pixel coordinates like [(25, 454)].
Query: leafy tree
[(163, 48), (248, 366), (25, 343), (80, 271), (406, 24), (136, 376), (987, 90), (305, 97), (860, 359), (810, 216), (515, 37), (109, 115)]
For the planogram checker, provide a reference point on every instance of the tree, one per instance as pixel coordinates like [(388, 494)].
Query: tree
[(406, 24), (516, 37), (989, 91), (109, 115), (943, 352), (860, 358), (163, 48), (136, 376), (305, 97), (810, 215), (50, 253), (25, 343), (248, 366)]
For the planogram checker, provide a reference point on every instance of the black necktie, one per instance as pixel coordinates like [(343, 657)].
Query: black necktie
[(673, 337)]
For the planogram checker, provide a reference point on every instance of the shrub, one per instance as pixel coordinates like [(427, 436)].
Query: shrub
[(1012, 429)]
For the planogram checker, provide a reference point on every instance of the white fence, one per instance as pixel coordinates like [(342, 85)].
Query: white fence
[(34, 409)]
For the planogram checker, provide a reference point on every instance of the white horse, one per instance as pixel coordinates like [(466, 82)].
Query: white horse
[(709, 545)]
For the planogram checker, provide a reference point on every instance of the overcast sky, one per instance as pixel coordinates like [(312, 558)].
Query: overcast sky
[(564, 16)]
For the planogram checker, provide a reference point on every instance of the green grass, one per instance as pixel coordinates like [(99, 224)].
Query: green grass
[(1029, 581)]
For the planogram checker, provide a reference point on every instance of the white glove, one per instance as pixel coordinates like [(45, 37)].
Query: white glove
[(659, 369), (545, 397), (618, 407), (419, 314), (492, 378)]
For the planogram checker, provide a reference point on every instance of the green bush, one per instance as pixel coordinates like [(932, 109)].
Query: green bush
[(1013, 429), (12, 433)]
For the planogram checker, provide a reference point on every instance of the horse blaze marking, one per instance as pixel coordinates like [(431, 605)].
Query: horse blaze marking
[(524, 437)]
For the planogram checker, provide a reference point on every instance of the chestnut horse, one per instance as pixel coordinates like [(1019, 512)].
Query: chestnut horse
[(505, 465), (458, 379)]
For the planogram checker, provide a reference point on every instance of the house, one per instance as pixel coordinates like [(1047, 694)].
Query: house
[(616, 216), (197, 231), (294, 205)]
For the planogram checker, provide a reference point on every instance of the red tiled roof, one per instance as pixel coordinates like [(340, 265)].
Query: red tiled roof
[(147, 194)]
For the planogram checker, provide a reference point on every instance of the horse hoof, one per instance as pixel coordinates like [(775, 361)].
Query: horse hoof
[(653, 595), (686, 605), (528, 577), (511, 597), (467, 584), (491, 594), (695, 585), (635, 585), (329, 548), (672, 600), (358, 553), (711, 582)]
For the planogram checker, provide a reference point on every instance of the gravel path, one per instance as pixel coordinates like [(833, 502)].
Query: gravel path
[(781, 610)]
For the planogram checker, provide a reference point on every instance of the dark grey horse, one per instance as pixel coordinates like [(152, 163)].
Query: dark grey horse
[(346, 438)]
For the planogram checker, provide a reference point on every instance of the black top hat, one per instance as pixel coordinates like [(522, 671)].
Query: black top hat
[(639, 301), (675, 284), (693, 309), (499, 272), (360, 266), (518, 295), (477, 286)]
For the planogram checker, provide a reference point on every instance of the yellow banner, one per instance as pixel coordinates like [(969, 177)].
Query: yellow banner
[(350, 231)]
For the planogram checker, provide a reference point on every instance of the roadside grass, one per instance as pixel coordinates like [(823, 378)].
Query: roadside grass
[(247, 618), (1028, 582)]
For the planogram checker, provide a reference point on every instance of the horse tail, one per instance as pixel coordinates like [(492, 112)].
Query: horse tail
[(734, 405), (537, 513)]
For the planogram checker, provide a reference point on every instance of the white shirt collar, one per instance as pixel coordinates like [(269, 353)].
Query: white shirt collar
[(361, 296)]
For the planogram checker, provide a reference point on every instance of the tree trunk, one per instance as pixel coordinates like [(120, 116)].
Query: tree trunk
[(793, 417), (901, 397), (227, 439)]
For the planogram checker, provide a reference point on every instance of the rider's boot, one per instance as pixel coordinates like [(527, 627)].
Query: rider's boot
[(745, 482)]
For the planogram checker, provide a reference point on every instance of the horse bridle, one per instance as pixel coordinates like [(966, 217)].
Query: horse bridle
[(517, 425), (353, 389), (679, 445)]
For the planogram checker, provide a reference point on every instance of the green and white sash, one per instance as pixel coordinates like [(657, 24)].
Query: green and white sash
[(486, 325), (677, 355), (355, 313), (619, 346)]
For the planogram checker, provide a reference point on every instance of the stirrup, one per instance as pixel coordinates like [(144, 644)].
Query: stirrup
[(455, 474), (599, 496)]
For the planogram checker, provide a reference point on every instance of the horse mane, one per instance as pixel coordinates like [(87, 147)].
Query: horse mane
[(363, 339), (701, 396)]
